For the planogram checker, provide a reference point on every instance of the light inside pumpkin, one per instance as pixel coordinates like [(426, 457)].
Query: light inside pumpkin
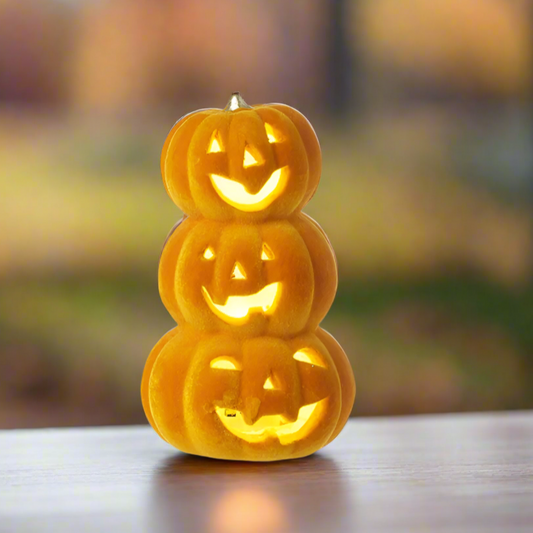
[(307, 355), (266, 253), (225, 363), (238, 272), (270, 134), (237, 308), (209, 254), (215, 145), (272, 425), (249, 159), (236, 195), (268, 384)]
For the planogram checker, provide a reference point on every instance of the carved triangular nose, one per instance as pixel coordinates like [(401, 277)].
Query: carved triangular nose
[(268, 384), (238, 271), (249, 159)]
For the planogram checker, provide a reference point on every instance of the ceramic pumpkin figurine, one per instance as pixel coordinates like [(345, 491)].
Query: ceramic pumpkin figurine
[(247, 374)]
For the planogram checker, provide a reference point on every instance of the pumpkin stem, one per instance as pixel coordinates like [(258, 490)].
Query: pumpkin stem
[(236, 102)]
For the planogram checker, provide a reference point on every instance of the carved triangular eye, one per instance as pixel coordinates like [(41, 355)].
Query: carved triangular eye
[(309, 356), (238, 272), (272, 137), (209, 254), (215, 145), (267, 254), (225, 363)]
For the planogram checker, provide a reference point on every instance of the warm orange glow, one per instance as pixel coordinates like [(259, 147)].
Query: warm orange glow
[(308, 355), (268, 384), (270, 134), (238, 272), (209, 254), (215, 145), (266, 253), (225, 363), (272, 425), (249, 159), (237, 308), (248, 510), (236, 195)]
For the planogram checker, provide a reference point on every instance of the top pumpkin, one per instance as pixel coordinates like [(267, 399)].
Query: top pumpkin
[(241, 162)]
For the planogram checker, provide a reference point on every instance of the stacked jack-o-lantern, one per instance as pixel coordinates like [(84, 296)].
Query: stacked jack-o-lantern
[(247, 374)]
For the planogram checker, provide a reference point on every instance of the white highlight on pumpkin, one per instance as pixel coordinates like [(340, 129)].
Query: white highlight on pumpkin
[(209, 254), (309, 356), (236, 195), (236, 102), (238, 272), (225, 363), (237, 308)]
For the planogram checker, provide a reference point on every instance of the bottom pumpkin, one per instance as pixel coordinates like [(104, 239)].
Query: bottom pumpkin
[(259, 399)]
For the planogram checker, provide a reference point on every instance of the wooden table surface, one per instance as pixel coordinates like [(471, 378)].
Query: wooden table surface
[(460, 473)]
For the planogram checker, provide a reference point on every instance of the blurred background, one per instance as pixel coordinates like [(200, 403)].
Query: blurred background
[(425, 115)]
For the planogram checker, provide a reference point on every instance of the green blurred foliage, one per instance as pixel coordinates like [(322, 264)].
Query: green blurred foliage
[(435, 302)]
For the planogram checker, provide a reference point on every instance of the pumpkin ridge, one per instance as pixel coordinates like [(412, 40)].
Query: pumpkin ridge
[(180, 187)]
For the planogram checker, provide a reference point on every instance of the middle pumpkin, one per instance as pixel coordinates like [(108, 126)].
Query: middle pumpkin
[(246, 279)]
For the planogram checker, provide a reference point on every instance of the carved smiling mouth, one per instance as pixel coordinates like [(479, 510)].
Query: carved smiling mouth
[(270, 425), (237, 308), (236, 195)]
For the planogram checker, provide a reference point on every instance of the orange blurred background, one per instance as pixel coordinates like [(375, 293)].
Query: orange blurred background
[(425, 115)]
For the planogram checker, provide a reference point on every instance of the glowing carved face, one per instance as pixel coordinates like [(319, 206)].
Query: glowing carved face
[(237, 308), (257, 395), (241, 275), (293, 421), (235, 193), (242, 162)]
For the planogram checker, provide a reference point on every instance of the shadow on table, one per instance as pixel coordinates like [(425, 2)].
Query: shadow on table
[(194, 494)]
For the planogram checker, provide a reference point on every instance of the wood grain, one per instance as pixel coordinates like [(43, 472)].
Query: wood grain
[(460, 473)]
